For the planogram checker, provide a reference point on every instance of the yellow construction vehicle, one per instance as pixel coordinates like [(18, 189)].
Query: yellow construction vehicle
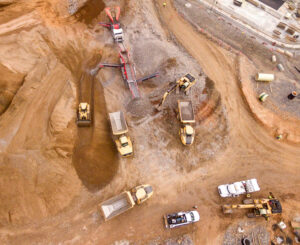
[(263, 207), (184, 83), (186, 117), (84, 114), (120, 129)]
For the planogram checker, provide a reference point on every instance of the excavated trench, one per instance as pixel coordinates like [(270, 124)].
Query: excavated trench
[(95, 157)]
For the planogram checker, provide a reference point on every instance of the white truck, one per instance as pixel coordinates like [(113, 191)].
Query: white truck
[(118, 35), (181, 218), (238, 188), (125, 201)]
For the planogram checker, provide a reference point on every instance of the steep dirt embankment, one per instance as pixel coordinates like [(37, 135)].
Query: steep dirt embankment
[(225, 70), (277, 123), (41, 65)]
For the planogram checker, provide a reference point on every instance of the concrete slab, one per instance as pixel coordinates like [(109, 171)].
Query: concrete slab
[(275, 4)]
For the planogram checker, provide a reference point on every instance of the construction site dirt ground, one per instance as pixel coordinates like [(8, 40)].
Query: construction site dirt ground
[(54, 175)]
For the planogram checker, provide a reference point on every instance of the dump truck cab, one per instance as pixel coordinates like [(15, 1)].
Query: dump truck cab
[(124, 145), (141, 193), (187, 135), (83, 114), (119, 130), (186, 82), (187, 118)]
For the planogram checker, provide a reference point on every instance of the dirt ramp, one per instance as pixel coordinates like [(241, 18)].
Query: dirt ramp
[(95, 157)]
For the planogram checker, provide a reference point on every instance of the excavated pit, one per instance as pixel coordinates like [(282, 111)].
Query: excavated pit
[(95, 157)]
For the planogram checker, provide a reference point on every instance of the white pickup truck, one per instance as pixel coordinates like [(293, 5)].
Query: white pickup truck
[(181, 218), (238, 188)]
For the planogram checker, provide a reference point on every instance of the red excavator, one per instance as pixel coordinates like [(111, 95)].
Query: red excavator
[(114, 25)]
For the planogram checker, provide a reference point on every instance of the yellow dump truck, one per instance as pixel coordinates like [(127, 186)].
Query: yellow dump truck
[(125, 201), (120, 130), (84, 115), (187, 118)]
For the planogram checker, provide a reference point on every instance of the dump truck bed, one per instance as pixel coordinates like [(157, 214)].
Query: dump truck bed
[(117, 205), (186, 112), (118, 123)]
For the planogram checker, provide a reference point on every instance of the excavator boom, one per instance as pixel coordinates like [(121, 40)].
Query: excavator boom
[(260, 207), (113, 15), (170, 90)]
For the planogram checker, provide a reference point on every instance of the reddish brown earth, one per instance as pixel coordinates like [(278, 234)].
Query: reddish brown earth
[(53, 175)]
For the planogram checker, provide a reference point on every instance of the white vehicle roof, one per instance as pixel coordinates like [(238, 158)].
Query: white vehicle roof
[(118, 31), (189, 218), (223, 191), (252, 185), (237, 188)]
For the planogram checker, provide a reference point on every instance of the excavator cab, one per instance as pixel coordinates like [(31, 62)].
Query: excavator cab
[(185, 85), (83, 114), (186, 82)]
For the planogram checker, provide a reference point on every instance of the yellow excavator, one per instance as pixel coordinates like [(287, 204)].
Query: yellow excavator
[(184, 83), (263, 207), (84, 114)]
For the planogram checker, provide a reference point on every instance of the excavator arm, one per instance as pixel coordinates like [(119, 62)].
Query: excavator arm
[(166, 95)]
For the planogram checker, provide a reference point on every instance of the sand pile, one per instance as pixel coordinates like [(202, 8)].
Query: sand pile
[(40, 66)]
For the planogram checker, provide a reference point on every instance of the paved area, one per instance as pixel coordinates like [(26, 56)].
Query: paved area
[(264, 22), (251, 14), (275, 4)]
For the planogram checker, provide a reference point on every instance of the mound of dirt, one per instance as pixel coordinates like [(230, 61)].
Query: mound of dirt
[(139, 108), (41, 66)]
